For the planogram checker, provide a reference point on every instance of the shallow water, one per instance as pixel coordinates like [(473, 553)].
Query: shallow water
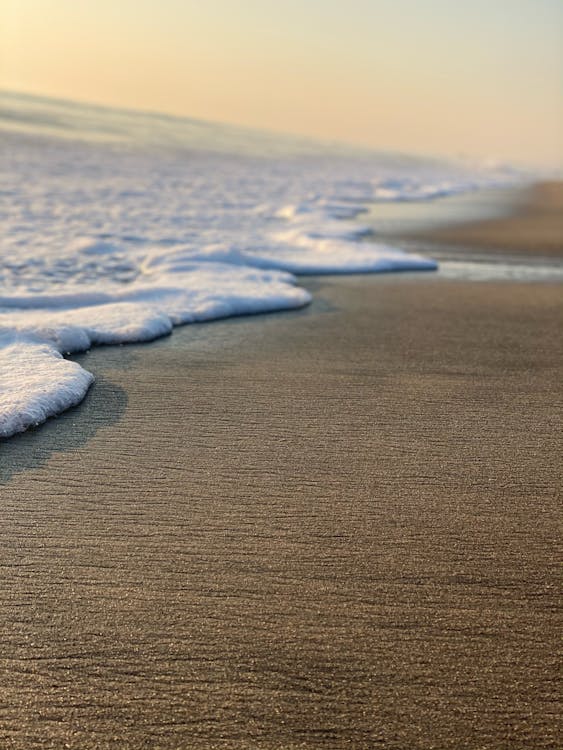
[(489, 270), (410, 216)]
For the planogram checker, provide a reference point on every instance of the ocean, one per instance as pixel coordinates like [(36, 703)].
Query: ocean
[(118, 226)]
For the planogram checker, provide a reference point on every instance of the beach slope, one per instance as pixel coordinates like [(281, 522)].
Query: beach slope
[(328, 528)]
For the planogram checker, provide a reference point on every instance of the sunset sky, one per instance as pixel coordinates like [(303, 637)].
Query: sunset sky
[(476, 77)]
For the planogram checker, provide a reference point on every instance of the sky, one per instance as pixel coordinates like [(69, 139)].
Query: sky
[(478, 78)]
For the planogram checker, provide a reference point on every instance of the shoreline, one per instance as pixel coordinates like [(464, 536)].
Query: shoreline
[(326, 528), (524, 222)]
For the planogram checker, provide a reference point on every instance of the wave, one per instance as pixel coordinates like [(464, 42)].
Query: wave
[(116, 239)]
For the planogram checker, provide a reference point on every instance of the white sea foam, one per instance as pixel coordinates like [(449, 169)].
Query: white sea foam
[(107, 243)]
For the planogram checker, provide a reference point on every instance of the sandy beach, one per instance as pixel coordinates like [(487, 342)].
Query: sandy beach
[(330, 528), (532, 225)]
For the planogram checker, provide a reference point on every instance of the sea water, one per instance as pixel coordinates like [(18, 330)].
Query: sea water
[(118, 226)]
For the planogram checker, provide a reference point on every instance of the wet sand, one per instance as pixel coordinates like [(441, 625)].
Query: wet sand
[(532, 225), (332, 528)]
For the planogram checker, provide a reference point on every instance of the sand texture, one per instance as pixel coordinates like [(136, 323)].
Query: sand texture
[(331, 528)]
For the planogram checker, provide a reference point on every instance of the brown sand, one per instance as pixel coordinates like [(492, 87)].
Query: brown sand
[(335, 528), (535, 226)]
